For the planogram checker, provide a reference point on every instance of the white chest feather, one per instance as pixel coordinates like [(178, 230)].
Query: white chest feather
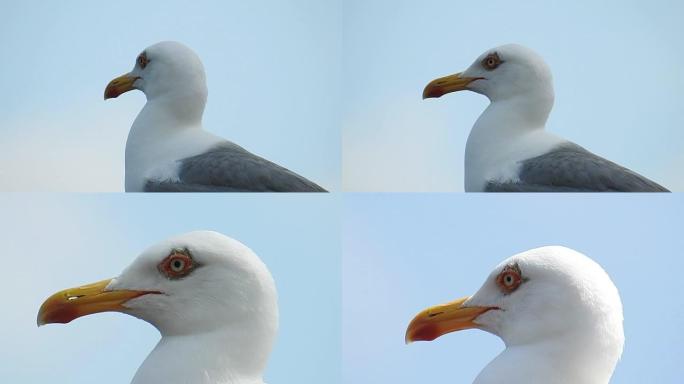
[(500, 158), (154, 147), (499, 141)]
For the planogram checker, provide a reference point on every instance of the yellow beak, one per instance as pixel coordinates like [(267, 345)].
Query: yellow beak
[(70, 304), (121, 84), (443, 85), (439, 320)]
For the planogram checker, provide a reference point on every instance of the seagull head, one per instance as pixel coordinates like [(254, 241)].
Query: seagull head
[(545, 296), (501, 73), (167, 68), (198, 282)]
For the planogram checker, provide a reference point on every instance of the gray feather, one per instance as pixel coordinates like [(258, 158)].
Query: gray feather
[(171, 186), (571, 168), (230, 168)]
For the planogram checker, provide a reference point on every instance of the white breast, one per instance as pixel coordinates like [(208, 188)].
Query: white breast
[(153, 151), (507, 133), (498, 158)]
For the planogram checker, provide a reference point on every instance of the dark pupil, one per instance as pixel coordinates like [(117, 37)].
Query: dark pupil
[(509, 279), (177, 264), (491, 62)]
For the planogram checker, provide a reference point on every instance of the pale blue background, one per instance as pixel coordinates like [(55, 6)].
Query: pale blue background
[(52, 242), (618, 69), (273, 71), (403, 253)]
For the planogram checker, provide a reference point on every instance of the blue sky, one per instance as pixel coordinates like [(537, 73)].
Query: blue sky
[(52, 242), (273, 70), (617, 65), (318, 86), (405, 252), (321, 86)]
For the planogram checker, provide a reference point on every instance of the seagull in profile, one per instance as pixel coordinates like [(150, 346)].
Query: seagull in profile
[(168, 150), (509, 150), (557, 311), (211, 298)]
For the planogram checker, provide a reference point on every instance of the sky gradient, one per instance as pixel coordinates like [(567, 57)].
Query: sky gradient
[(332, 90)]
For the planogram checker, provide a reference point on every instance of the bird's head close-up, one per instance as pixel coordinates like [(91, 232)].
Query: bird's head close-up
[(211, 298), (532, 296), (499, 73), (165, 68), (545, 296), (175, 284)]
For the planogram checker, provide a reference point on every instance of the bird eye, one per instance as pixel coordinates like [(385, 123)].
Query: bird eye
[(143, 60), (176, 265), (509, 279), (491, 61)]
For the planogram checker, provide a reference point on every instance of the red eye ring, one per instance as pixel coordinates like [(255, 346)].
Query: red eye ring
[(509, 279), (176, 265), (492, 61), (143, 60)]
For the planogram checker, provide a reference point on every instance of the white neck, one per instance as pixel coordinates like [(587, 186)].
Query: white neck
[(185, 106), (164, 115), (521, 114), (577, 358), (236, 356), (167, 129), (507, 131)]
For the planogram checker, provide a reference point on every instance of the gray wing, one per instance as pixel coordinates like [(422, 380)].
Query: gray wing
[(168, 186), (230, 168), (571, 168)]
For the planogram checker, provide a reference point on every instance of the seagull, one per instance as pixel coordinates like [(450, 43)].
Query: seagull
[(211, 298), (557, 311), (509, 150), (167, 148)]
